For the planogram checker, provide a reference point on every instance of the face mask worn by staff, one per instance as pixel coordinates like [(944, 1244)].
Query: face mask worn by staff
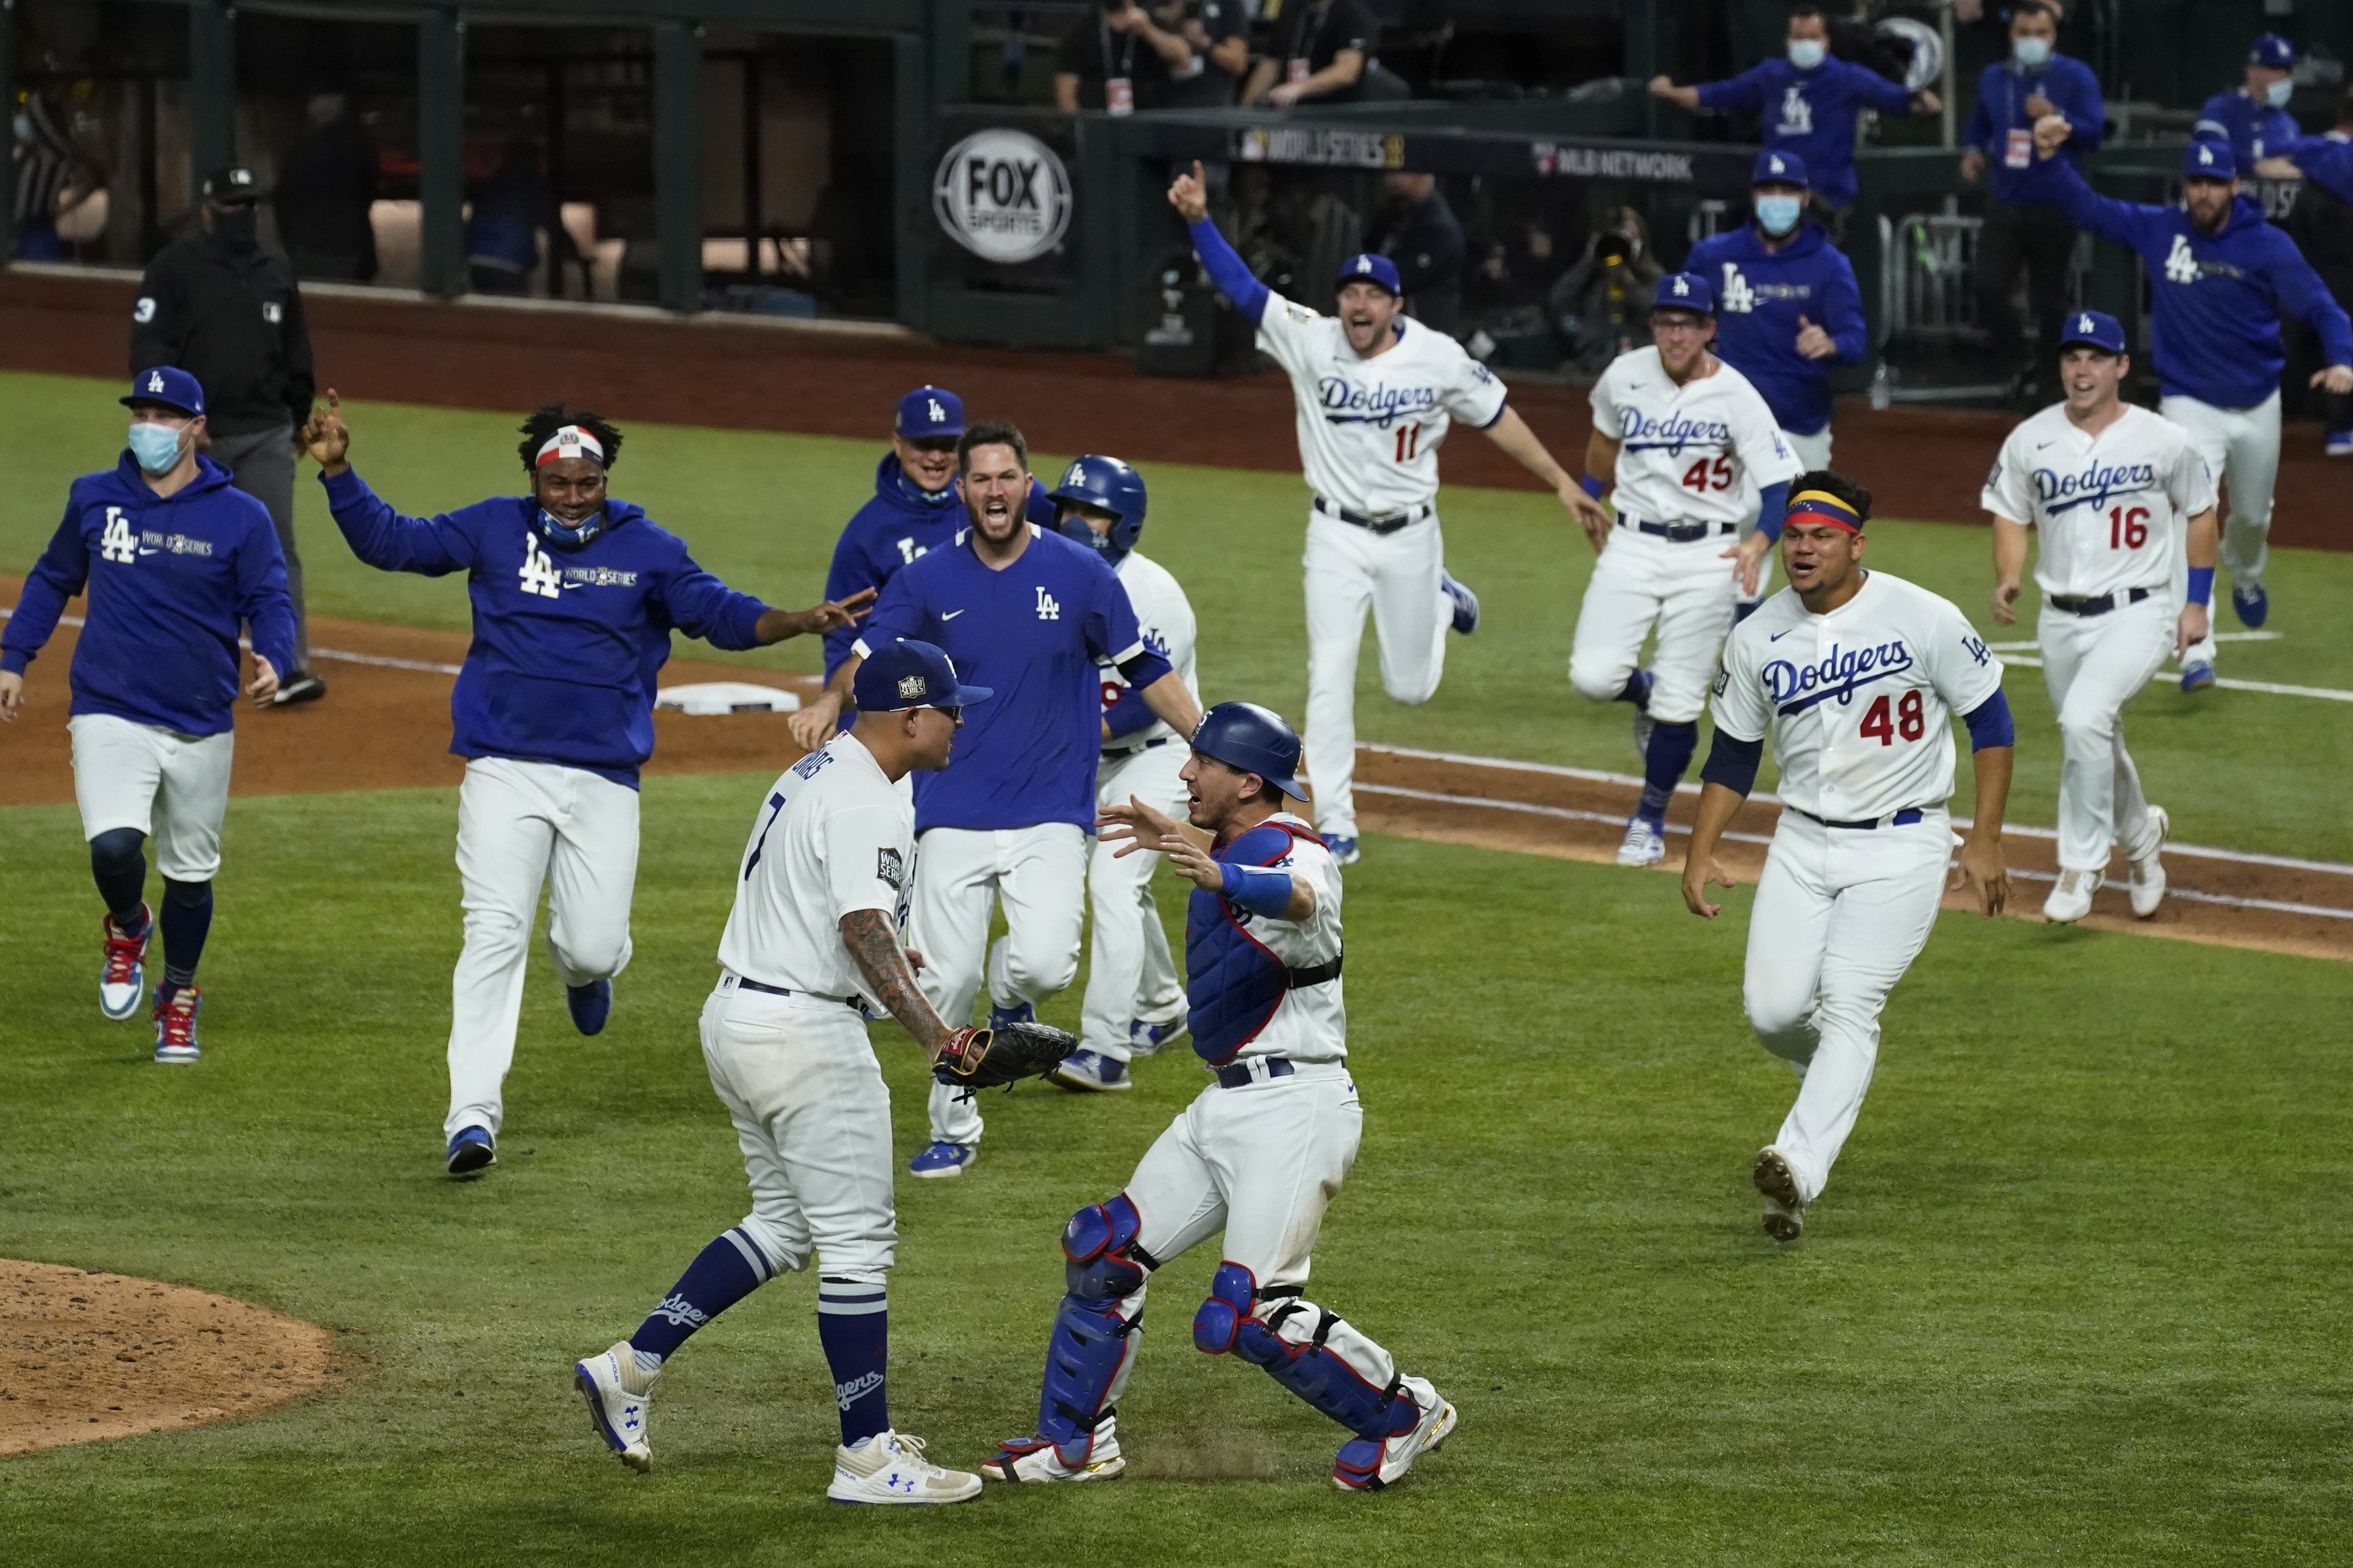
[(1807, 53), (2031, 53), (1779, 214), (156, 448), (2279, 92)]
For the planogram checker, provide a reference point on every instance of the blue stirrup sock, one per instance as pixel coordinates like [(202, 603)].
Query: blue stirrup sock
[(120, 870), (853, 1323), (721, 1275), (1672, 746), (186, 918), (1637, 691)]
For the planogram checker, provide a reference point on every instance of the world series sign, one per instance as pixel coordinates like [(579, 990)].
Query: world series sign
[(1004, 196)]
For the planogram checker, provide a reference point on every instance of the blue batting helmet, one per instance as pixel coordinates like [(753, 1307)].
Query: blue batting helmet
[(1255, 739), (1105, 482)]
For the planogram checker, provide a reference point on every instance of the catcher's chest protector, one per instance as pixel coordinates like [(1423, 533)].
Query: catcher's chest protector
[(1236, 982)]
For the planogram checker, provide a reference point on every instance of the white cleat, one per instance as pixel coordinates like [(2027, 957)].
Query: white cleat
[(1037, 1459), (1785, 1211), (890, 1467), (2070, 897), (618, 1396), (2145, 885), (1365, 1466), (1644, 845)]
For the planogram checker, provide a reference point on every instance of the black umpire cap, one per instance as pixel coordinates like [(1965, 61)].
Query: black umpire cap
[(232, 185)]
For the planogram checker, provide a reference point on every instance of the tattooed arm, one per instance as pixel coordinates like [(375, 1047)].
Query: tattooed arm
[(873, 942)]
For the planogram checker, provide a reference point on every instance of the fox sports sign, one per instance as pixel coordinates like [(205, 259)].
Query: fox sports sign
[(1004, 196)]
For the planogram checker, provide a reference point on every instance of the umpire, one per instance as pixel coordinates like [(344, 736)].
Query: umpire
[(218, 306)]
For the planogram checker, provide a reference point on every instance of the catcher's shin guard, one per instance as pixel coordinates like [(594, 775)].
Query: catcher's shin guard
[(1311, 1352), (1095, 1341)]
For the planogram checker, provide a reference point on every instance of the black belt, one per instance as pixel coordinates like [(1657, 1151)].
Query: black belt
[(1314, 974), (1904, 818), (1109, 755), (1239, 1076), (2076, 604), (1677, 532), (1388, 524), (743, 985)]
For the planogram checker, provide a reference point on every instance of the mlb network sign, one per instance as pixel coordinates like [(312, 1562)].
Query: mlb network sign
[(1004, 196)]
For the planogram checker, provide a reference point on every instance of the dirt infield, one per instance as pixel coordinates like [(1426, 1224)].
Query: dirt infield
[(91, 1355), (738, 373)]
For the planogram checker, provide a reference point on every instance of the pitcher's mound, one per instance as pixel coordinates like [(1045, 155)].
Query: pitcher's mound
[(85, 1356)]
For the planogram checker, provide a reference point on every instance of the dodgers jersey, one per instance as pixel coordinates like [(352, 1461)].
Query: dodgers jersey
[(1684, 451), (1860, 700), (2113, 509), (834, 835), (1239, 1001), (1163, 619)]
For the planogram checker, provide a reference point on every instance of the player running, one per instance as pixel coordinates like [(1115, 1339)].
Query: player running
[(1856, 674), (575, 596), (1134, 1002), (814, 937), (1260, 1154), (2220, 278), (2122, 499), (1376, 393), (1686, 442), (174, 557)]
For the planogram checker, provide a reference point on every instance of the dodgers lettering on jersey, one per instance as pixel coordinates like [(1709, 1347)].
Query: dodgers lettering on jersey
[(1859, 701), (2113, 509), (1163, 620), (1369, 429), (1684, 451), (1238, 992), (832, 835)]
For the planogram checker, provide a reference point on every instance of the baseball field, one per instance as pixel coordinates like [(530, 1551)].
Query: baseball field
[(2079, 1290)]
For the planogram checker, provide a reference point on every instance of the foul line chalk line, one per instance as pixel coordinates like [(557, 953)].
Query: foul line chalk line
[(2017, 653)]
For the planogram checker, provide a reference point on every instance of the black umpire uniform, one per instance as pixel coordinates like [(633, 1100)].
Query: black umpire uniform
[(219, 306)]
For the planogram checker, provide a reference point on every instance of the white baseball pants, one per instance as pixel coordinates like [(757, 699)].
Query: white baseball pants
[(1840, 914), (520, 825), (812, 1117), (1131, 974), (2241, 446), (170, 787), (1686, 590), (1350, 571), (2094, 665), (1040, 875)]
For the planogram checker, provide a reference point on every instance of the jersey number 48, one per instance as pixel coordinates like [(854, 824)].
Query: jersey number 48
[(1706, 476), (1885, 721)]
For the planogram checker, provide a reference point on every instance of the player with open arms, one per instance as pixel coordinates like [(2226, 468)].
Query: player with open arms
[(1029, 614), (575, 597), (1260, 1154), (1856, 676), (1376, 393), (2122, 501), (174, 557), (1690, 448)]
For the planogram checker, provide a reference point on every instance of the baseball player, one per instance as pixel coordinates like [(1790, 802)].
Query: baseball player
[(1376, 393), (1857, 675), (575, 597), (1685, 441), (1134, 1002), (2220, 279), (1031, 614), (2121, 499), (1259, 1155), (812, 940), (173, 558)]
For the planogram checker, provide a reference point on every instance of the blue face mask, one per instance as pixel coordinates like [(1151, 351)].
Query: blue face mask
[(1807, 53), (564, 533), (156, 448), (1776, 215), (2031, 54), (2279, 92), (1076, 530)]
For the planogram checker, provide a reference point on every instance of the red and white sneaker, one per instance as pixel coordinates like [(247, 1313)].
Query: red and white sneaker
[(176, 1025), (122, 979)]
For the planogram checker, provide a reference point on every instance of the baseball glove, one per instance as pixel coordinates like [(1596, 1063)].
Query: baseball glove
[(984, 1059)]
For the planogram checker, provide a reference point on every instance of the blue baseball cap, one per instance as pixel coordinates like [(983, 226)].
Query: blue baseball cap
[(908, 674), (1685, 291), (169, 385), (2095, 329), (1778, 169), (930, 411), (1368, 268), (2272, 52), (2207, 159)]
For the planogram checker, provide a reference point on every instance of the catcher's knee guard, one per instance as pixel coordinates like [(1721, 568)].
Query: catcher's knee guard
[(1290, 1342), (1095, 1344)]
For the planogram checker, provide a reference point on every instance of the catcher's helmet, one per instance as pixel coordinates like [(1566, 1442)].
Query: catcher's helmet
[(1254, 738), (1110, 484)]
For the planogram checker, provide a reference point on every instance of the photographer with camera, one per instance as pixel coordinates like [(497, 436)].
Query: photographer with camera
[(1121, 59), (1601, 306)]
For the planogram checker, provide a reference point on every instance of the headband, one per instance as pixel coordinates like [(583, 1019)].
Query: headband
[(570, 441), (1822, 507)]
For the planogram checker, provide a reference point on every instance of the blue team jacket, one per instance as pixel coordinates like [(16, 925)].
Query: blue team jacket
[(567, 643), (170, 579), (2324, 160), (2216, 299), (1760, 294), (2254, 130), (2002, 93), (1810, 112)]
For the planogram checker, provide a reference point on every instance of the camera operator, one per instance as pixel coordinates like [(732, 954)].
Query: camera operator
[(1120, 60), (1601, 306)]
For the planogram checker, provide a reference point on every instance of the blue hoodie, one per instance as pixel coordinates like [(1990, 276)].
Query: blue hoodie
[(567, 642), (2254, 129), (2216, 300), (1760, 294), (2000, 115), (1810, 112), (170, 579)]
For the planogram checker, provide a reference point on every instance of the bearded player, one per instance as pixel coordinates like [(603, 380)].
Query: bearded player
[(1856, 675), (1376, 393)]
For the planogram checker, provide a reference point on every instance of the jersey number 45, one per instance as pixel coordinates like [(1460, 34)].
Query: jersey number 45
[(1706, 476)]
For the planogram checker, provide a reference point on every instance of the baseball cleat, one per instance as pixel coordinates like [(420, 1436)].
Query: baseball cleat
[(123, 976), (1144, 1038), (1037, 1459), (2338, 444), (1019, 1013), (1343, 848), (1366, 1465), (2197, 676), (590, 1005), (2145, 884), (942, 1159), (1466, 604), (2253, 605), (1645, 843), (890, 1467), (305, 687), (1785, 1211), (1092, 1070), (619, 1395), (470, 1150), (2070, 897), (175, 1024)]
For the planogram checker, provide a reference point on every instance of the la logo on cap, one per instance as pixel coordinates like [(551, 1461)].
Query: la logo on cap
[(1364, 264), (1078, 475), (939, 414), (2083, 324), (2205, 154), (155, 381), (912, 686), (1777, 165), (1682, 287)]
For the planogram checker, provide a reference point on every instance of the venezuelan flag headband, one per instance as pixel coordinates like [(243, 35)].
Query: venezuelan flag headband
[(1820, 507)]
